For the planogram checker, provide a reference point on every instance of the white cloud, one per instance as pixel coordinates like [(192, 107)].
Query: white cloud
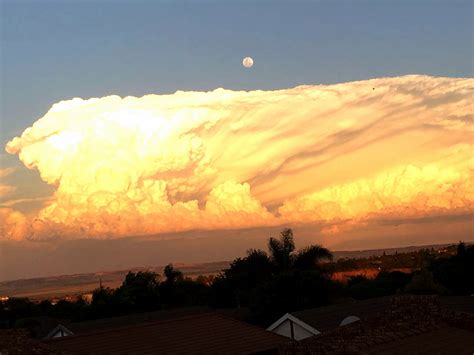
[(227, 159)]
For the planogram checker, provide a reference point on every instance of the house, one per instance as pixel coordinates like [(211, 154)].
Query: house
[(206, 333), (54, 328), (58, 332), (409, 325), (291, 327), (18, 341), (463, 304), (307, 323)]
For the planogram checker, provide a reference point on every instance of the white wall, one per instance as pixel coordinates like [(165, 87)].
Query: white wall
[(58, 334), (299, 332)]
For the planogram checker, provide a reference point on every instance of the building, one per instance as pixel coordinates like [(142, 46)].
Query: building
[(58, 332), (18, 341), (206, 333), (307, 323), (51, 327), (409, 325)]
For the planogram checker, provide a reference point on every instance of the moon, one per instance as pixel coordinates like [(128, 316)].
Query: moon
[(247, 62)]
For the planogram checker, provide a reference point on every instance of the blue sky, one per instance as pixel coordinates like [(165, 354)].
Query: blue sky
[(55, 50)]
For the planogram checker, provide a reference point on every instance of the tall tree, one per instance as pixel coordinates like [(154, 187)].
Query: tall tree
[(283, 257), (308, 258), (172, 275), (281, 249), (141, 290)]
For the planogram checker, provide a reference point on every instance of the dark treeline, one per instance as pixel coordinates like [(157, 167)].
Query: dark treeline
[(408, 260), (265, 284)]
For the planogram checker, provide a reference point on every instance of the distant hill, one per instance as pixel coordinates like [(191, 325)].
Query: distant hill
[(74, 285)]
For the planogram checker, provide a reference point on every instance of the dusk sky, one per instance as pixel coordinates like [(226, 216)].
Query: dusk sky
[(133, 123)]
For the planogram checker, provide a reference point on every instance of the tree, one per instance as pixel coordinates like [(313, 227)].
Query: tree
[(308, 258), (423, 283), (281, 249), (20, 307), (242, 282), (206, 280), (141, 290), (455, 272), (233, 288), (461, 249), (184, 293), (386, 283), (177, 291), (45, 307), (290, 291), (172, 275), (222, 293), (283, 257)]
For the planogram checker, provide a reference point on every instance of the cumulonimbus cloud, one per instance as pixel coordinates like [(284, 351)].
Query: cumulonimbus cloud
[(234, 159)]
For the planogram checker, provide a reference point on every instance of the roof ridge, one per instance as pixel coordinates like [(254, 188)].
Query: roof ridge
[(153, 323), (134, 326)]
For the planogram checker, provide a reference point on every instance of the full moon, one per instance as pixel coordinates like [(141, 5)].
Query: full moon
[(247, 62)]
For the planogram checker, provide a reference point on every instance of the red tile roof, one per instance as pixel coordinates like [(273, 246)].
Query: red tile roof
[(444, 340), (329, 317), (411, 324), (18, 341), (133, 319), (207, 333)]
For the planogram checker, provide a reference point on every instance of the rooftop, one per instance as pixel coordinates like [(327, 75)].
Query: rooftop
[(329, 317), (408, 324), (18, 341), (208, 333)]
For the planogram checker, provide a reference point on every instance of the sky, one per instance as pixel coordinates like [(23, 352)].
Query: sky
[(144, 125)]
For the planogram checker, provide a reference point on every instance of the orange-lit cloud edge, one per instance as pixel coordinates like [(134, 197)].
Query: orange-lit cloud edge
[(339, 155)]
